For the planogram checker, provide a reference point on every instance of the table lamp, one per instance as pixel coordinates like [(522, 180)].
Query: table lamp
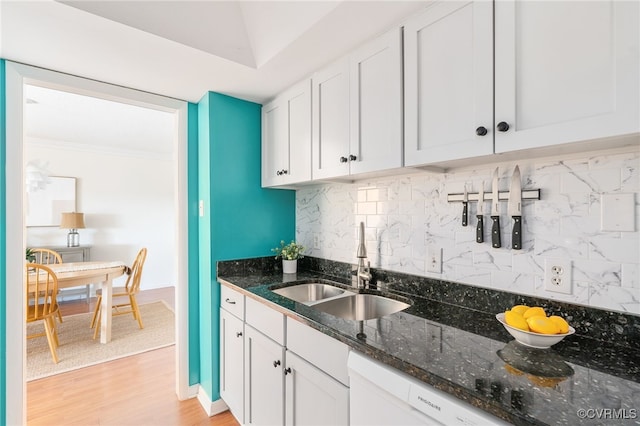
[(73, 222)]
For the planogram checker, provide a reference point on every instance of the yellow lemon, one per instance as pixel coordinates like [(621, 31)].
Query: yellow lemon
[(520, 309), (533, 312), (542, 325), (515, 320), (563, 325)]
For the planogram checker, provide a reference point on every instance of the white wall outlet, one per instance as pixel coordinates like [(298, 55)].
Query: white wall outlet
[(316, 241), (557, 275), (434, 260)]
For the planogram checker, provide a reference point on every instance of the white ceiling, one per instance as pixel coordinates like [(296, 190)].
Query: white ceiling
[(248, 49), (182, 49)]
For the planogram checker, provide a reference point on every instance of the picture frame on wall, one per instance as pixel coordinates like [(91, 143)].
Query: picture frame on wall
[(45, 206)]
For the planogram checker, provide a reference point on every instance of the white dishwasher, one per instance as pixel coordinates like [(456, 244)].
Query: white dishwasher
[(380, 395)]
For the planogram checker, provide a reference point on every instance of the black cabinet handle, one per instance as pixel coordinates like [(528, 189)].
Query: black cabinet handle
[(239, 334), (352, 157), (229, 301), (502, 126), (481, 131), (278, 172), (284, 172), (343, 159), (287, 371), (276, 363)]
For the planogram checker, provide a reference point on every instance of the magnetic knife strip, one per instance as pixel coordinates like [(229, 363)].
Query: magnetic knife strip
[(527, 194)]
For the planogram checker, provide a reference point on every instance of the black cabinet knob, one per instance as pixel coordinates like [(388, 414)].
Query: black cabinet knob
[(352, 157), (276, 363), (284, 172), (287, 371), (239, 334), (481, 131), (502, 126), (343, 159)]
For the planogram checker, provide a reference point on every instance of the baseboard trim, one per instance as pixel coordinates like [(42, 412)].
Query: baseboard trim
[(211, 407)]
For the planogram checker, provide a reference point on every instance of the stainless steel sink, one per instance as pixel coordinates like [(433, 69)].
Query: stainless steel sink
[(309, 292), (361, 307)]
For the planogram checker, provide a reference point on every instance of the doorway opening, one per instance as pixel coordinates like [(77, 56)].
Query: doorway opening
[(20, 77)]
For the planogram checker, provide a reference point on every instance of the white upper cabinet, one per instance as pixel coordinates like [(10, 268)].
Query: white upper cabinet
[(449, 83), (566, 71), (357, 111), (330, 100), (376, 105), (286, 137)]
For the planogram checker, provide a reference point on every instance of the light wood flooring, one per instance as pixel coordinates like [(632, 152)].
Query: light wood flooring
[(137, 390)]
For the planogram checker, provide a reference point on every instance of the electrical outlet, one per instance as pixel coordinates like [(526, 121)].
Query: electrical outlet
[(316, 241), (557, 275), (434, 260)]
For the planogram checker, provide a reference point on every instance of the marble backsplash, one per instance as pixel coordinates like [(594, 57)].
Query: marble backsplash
[(406, 216)]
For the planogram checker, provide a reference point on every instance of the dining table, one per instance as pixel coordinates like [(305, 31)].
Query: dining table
[(102, 273)]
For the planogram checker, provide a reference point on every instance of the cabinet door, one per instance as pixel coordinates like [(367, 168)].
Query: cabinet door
[(330, 141), (376, 105), (448, 82), (298, 103), (232, 363), (275, 156), (312, 397), (264, 380), (565, 71)]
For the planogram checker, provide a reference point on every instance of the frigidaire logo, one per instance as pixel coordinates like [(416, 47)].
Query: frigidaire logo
[(429, 403)]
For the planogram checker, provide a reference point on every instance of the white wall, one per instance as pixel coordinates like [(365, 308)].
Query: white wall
[(405, 215), (128, 202)]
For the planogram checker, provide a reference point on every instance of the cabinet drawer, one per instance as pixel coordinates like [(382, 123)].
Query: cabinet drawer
[(232, 301), (326, 353), (265, 319)]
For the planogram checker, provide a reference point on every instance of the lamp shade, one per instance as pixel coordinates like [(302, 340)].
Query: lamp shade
[(72, 221)]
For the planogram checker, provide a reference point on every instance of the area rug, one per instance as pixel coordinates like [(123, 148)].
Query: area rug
[(78, 349)]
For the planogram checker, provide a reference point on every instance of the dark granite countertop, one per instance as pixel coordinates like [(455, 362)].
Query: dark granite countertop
[(468, 354)]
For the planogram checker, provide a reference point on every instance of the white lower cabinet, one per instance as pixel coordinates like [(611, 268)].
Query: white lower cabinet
[(313, 397), (264, 379), (231, 363)]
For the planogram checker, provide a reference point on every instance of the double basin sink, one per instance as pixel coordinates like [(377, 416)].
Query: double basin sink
[(340, 302)]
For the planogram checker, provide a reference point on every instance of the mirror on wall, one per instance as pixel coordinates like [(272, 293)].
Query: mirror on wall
[(45, 205)]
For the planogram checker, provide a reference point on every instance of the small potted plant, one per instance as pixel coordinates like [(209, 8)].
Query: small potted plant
[(30, 256), (290, 253)]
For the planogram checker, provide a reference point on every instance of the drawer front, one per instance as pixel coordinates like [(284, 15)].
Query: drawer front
[(232, 301), (265, 319), (326, 353)]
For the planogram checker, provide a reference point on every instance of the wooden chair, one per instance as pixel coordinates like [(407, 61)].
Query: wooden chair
[(127, 295), (45, 256), (42, 289)]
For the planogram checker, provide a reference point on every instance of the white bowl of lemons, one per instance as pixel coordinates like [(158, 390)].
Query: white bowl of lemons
[(532, 327)]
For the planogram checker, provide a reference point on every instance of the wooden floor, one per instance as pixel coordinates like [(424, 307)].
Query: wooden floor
[(137, 390)]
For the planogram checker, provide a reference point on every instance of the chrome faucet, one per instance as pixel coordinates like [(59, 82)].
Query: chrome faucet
[(363, 274)]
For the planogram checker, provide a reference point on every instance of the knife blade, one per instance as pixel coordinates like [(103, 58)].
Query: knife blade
[(465, 204), (495, 212), (480, 215), (515, 209)]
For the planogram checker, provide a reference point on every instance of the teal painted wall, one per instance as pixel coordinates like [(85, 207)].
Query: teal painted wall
[(193, 267), (244, 219), (3, 239)]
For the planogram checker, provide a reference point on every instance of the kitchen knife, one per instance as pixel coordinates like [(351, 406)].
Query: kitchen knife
[(465, 204), (495, 212), (479, 215), (515, 209)]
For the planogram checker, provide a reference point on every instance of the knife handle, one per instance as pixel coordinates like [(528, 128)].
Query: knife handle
[(480, 229), (464, 213), (495, 232), (516, 236)]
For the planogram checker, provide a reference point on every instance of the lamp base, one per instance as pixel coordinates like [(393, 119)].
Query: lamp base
[(73, 238)]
